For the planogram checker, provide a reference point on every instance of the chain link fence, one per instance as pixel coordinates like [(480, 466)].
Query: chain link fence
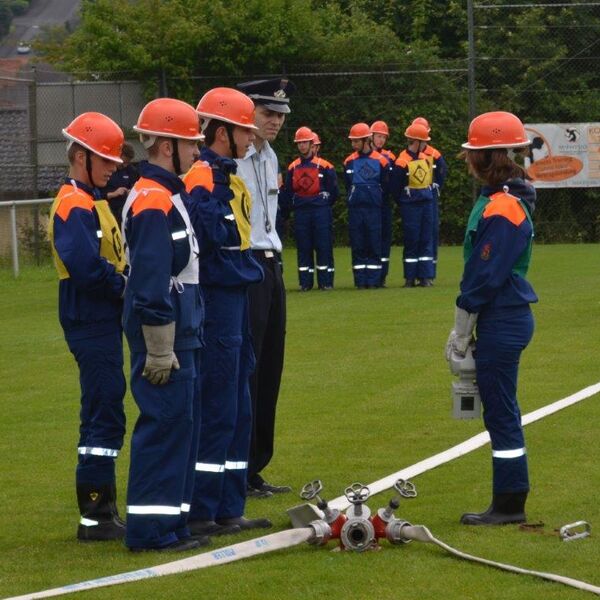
[(554, 80)]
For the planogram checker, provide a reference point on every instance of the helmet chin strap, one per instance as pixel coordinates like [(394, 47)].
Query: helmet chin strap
[(88, 167), (229, 128), (176, 159)]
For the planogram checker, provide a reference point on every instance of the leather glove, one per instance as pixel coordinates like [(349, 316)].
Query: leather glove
[(462, 333), (160, 358)]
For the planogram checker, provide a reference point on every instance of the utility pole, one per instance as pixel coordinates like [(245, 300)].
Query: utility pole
[(471, 39)]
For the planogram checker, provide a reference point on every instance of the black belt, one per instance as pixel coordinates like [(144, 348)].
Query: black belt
[(264, 253)]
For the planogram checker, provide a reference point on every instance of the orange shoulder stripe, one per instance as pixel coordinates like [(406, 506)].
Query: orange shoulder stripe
[(294, 164), (151, 196), (507, 206), (199, 175), (403, 159), (69, 197), (352, 156)]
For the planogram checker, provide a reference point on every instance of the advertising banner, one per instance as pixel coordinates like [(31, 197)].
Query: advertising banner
[(563, 154)]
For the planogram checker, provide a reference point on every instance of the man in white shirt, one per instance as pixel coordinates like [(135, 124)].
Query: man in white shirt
[(260, 171)]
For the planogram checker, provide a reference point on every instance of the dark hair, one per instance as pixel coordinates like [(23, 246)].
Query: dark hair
[(128, 152), (492, 166), (73, 149), (210, 132)]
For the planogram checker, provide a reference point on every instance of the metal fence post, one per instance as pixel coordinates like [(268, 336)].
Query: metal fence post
[(13, 237)]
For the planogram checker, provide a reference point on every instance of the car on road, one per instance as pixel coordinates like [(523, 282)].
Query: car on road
[(23, 48)]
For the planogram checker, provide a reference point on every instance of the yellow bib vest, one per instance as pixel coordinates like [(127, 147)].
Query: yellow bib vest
[(111, 245)]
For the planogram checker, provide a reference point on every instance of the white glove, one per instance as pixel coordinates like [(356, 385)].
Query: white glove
[(325, 195), (160, 358), (462, 333)]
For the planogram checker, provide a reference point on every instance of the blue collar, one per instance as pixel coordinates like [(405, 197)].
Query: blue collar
[(162, 176)]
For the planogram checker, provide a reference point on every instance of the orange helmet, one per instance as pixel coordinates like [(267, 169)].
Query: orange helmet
[(168, 117), (417, 131), (228, 105), (422, 121), (497, 129), (380, 127), (316, 139), (358, 131), (97, 133), (304, 134)]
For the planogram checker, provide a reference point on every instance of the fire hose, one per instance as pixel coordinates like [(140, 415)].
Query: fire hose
[(401, 531)]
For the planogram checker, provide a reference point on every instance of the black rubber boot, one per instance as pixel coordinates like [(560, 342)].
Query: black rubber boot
[(426, 283), (244, 523), (505, 509), (200, 528), (409, 283), (100, 519)]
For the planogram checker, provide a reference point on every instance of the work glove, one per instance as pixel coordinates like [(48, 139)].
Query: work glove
[(462, 333), (160, 358), (325, 195)]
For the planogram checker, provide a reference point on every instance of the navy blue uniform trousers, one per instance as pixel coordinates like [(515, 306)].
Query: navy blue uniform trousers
[(102, 418), (227, 362), (418, 239), (502, 335), (386, 237), (164, 446), (314, 235), (364, 224)]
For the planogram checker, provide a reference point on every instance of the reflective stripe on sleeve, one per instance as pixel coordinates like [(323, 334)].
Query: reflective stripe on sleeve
[(185, 507), (179, 235), (87, 522)]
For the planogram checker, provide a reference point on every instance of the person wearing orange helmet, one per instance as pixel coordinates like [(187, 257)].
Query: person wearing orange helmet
[(310, 188), (412, 188), (440, 172), (316, 144), (220, 212), (163, 323), (495, 300), (367, 179), (88, 255), (381, 132)]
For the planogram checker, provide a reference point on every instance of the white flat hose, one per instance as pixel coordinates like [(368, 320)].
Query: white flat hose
[(422, 534), (293, 537), (467, 446), (220, 556)]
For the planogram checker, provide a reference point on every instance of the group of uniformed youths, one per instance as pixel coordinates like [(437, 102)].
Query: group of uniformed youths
[(192, 278), (373, 176)]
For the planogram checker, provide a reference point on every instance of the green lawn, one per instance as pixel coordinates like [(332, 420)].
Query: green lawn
[(365, 393)]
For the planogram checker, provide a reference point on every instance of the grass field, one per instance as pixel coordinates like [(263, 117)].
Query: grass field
[(365, 393)]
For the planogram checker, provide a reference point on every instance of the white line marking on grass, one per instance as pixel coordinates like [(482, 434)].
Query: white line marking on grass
[(467, 446), (293, 537)]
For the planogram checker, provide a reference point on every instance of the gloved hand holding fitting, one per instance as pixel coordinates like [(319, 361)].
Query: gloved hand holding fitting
[(160, 358), (462, 333)]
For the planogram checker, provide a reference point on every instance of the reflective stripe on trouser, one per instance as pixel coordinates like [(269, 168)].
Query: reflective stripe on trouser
[(435, 222), (386, 237), (501, 337), (102, 427), (364, 224), (314, 237), (227, 361), (162, 457), (417, 229)]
